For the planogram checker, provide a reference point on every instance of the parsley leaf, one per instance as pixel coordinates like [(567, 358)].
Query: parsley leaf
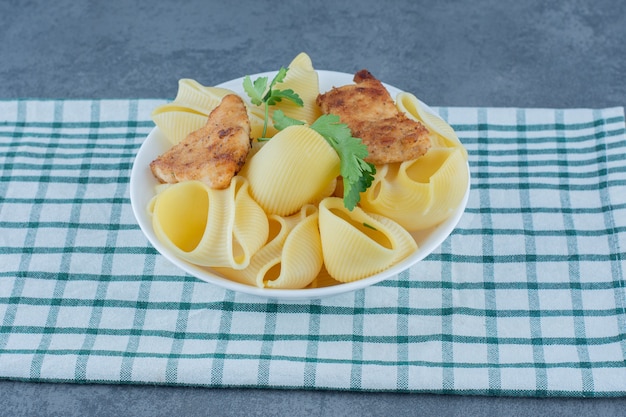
[(289, 94), (255, 90), (280, 76), (357, 174), (281, 121), (260, 93)]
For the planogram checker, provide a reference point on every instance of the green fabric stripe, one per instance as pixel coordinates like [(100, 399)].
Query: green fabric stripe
[(73, 167), (489, 276), (491, 323), (217, 369), (310, 367), (18, 286), (101, 291), (92, 179), (126, 368), (53, 200), (459, 127), (574, 270), (542, 210), (289, 358), (531, 341), (447, 313), (123, 124), (475, 312), (68, 225), (357, 346), (269, 334), (298, 308), (171, 370), (37, 360), (541, 379), (403, 331), (618, 260), (447, 301)]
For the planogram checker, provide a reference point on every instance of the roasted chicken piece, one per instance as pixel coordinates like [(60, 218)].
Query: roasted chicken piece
[(368, 109), (213, 154)]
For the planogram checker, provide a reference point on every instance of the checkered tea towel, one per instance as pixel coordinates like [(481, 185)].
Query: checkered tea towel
[(525, 298)]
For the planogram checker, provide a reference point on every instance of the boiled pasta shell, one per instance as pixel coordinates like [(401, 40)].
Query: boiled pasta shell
[(176, 122), (441, 133), (257, 121), (420, 193), (303, 79), (265, 258), (294, 168), (357, 244), (191, 107), (292, 257), (210, 227), (302, 257), (195, 95)]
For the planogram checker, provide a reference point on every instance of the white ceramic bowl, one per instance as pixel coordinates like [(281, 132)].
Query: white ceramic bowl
[(142, 189)]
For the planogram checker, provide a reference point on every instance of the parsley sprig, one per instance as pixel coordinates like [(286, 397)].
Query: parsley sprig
[(260, 93), (356, 173)]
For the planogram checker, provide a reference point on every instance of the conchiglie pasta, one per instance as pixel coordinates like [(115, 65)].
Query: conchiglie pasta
[(292, 257), (193, 94), (441, 133), (191, 107), (210, 227), (176, 122), (357, 244), (257, 120), (421, 193), (295, 168), (303, 79), (189, 110)]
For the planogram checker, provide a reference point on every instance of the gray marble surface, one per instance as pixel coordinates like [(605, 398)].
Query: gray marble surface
[(455, 53)]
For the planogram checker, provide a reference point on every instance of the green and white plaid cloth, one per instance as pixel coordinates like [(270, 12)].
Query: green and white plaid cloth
[(525, 298)]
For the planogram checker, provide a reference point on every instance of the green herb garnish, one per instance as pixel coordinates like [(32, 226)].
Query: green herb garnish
[(260, 93)]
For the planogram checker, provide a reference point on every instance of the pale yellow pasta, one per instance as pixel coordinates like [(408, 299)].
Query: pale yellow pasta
[(441, 133), (421, 193), (292, 257), (303, 79), (357, 244), (195, 95), (256, 116), (210, 227), (293, 169), (177, 122)]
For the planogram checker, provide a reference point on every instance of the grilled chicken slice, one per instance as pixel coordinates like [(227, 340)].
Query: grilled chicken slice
[(213, 154), (370, 113)]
